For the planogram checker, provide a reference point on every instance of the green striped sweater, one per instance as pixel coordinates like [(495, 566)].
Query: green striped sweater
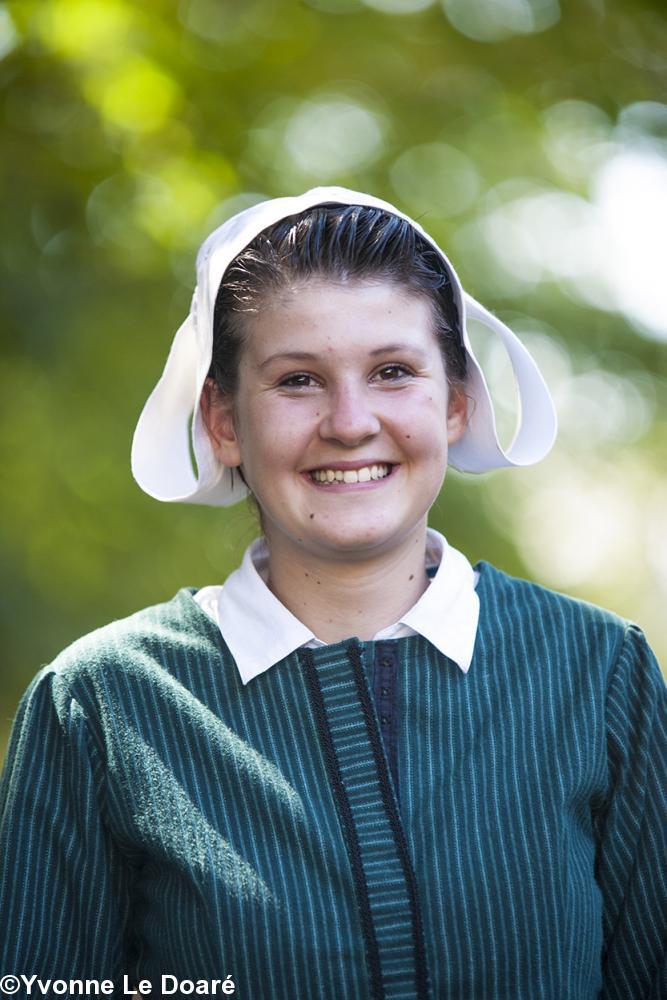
[(363, 820)]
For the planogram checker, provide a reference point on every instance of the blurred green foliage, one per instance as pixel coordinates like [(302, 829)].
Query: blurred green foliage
[(530, 138)]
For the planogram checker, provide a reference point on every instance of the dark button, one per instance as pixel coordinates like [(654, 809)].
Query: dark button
[(384, 690)]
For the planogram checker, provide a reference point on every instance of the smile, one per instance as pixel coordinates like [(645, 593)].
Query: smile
[(363, 475)]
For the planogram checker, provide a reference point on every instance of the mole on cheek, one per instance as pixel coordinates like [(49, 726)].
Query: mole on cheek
[(412, 576), (311, 516)]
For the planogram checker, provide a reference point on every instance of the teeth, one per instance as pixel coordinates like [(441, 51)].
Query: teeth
[(363, 475)]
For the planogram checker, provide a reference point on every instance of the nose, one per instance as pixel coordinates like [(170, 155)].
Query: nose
[(349, 417)]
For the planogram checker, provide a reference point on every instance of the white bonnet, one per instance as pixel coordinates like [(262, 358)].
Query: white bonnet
[(171, 424)]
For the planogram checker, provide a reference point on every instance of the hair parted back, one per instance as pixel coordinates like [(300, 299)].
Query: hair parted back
[(343, 243)]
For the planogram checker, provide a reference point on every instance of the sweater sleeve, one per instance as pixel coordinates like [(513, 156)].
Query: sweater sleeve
[(632, 852), (63, 885)]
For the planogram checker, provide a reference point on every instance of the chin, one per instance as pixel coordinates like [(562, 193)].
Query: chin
[(350, 544)]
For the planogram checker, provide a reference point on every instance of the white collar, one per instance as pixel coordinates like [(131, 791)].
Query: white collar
[(260, 631)]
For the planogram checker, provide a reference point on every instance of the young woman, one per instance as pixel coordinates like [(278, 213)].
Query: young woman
[(360, 768)]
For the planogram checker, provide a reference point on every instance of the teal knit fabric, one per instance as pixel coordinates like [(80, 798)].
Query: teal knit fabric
[(159, 817)]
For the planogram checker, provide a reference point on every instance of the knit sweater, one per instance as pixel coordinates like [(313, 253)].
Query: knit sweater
[(502, 835)]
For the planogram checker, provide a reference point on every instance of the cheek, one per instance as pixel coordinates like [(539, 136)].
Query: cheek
[(268, 440), (423, 423)]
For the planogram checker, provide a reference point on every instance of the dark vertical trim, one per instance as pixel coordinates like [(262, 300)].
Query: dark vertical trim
[(421, 973), (345, 810)]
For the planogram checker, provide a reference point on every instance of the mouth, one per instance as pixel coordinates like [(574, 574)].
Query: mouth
[(363, 474)]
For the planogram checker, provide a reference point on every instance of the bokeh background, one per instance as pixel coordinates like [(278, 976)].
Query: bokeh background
[(529, 136)]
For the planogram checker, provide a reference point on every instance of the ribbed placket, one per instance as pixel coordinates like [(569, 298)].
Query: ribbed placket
[(385, 883)]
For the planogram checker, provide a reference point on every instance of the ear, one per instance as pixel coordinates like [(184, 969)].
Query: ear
[(218, 415), (457, 414)]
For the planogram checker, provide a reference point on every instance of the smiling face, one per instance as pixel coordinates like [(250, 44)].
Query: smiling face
[(342, 419)]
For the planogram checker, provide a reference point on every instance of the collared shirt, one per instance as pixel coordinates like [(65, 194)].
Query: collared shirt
[(260, 631)]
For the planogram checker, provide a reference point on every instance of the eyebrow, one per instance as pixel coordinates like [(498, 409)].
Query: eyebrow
[(289, 356), (398, 347), (308, 356)]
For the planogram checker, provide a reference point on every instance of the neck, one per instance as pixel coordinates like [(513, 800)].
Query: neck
[(340, 599)]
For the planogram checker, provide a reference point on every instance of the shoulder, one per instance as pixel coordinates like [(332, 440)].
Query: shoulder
[(125, 684), (154, 641), (543, 620), (591, 667), (504, 590)]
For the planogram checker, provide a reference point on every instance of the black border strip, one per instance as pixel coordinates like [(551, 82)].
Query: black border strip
[(421, 974), (345, 810)]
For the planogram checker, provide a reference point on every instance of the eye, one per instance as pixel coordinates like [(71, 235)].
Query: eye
[(393, 373), (300, 380)]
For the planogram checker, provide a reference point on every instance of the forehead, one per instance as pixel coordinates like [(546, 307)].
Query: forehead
[(339, 316)]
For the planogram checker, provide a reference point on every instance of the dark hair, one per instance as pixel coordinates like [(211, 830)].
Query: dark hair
[(340, 242)]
